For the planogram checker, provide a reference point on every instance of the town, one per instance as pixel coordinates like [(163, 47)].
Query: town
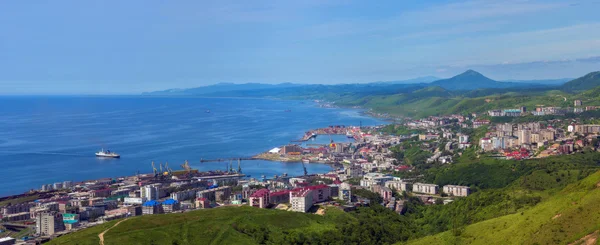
[(385, 161)]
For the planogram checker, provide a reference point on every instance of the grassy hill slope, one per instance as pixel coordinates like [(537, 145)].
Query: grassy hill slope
[(591, 80), (228, 225), (565, 217)]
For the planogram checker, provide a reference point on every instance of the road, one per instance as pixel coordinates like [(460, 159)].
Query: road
[(101, 235)]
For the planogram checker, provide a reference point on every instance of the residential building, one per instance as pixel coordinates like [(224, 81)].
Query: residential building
[(151, 207), (17, 208), (398, 185), (49, 223), (7, 241), (321, 193), (547, 135), (345, 192), (577, 103), (202, 202), (426, 137), (218, 194), (260, 198), (456, 190), (425, 188), (524, 136), (587, 129), (301, 200), (17, 216), (386, 193), (134, 200), (479, 123), (150, 192), (171, 205), (57, 186), (279, 197), (100, 193), (354, 171)]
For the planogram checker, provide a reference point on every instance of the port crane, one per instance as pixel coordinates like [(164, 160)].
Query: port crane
[(168, 171), (155, 170), (304, 167)]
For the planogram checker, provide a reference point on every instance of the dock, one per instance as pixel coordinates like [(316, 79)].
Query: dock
[(228, 159)]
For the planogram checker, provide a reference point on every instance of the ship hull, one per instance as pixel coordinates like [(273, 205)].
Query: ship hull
[(108, 156)]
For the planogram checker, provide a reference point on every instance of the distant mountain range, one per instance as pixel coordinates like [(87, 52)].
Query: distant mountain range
[(467, 81), (471, 80)]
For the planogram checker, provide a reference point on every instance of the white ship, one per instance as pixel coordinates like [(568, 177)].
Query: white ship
[(107, 153)]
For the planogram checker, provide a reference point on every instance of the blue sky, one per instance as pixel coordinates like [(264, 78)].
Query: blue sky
[(66, 47)]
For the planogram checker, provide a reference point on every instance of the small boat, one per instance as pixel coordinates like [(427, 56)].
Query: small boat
[(207, 111), (288, 110), (107, 153), (305, 161), (349, 135)]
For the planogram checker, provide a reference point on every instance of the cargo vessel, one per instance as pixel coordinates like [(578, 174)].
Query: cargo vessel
[(107, 153)]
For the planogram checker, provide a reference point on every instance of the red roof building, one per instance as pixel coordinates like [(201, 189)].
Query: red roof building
[(260, 198)]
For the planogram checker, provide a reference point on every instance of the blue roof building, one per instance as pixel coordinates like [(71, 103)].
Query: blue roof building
[(170, 205), (151, 203)]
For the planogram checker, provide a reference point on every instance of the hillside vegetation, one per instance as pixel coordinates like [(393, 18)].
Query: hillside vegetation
[(565, 217), (507, 195), (228, 225)]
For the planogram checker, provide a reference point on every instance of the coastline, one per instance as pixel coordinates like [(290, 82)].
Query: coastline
[(134, 149)]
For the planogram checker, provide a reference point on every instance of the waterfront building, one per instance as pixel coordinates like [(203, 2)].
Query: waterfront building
[(301, 200), (57, 186), (291, 149), (260, 198), (46, 187), (67, 184), (425, 188), (48, 223), (456, 190)]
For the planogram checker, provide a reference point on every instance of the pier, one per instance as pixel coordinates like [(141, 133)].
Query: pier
[(228, 159)]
